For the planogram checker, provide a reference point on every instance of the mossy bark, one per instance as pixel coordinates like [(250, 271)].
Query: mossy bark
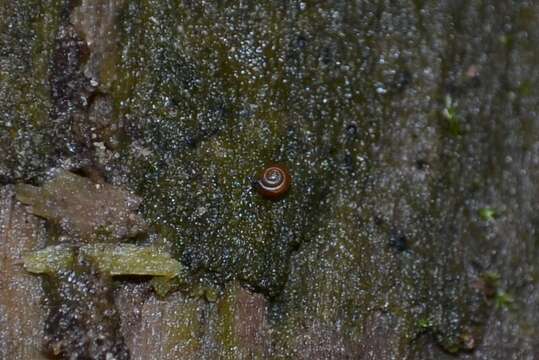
[(401, 122)]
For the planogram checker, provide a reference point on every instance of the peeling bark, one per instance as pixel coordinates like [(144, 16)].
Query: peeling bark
[(22, 315)]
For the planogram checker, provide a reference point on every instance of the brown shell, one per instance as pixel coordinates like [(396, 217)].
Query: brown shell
[(274, 182)]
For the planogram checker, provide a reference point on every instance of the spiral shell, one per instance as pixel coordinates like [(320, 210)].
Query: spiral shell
[(274, 182)]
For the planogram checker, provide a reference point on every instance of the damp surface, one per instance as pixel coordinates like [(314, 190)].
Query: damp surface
[(410, 131)]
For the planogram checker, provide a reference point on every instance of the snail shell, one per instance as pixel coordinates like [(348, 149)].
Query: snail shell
[(274, 182)]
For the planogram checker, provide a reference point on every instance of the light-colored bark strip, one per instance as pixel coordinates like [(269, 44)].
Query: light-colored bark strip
[(21, 314)]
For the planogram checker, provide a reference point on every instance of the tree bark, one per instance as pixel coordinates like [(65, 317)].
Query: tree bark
[(410, 129)]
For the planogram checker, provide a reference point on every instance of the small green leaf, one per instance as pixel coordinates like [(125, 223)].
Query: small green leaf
[(487, 214), (450, 114), (503, 300), (424, 323)]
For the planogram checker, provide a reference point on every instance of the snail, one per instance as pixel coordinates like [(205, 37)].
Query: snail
[(274, 182)]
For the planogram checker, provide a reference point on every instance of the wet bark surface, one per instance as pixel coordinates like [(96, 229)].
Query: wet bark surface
[(83, 322), (410, 130), (22, 316)]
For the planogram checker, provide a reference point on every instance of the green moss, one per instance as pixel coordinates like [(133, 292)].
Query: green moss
[(27, 139), (226, 334), (185, 329), (210, 127), (451, 116), (424, 324), (503, 300)]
